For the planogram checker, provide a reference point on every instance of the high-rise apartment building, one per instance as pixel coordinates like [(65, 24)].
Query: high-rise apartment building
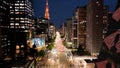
[(41, 28), (63, 29), (75, 29), (52, 30), (78, 33), (81, 19), (94, 26), (68, 32), (41, 25)]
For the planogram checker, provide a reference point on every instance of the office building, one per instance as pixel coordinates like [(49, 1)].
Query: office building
[(81, 18), (4, 25), (21, 21)]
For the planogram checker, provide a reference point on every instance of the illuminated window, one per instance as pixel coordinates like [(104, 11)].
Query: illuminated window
[(21, 7), (16, 4), (16, 23), (22, 26), (11, 18), (11, 23), (26, 24), (97, 2), (27, 21), (16, 9), (18, 1), (11, 12), (10, 6), (16, 18), (97, 16), (21, 12), (11, 26), (16, 12), (22, 21), (21, 4), (22, 18), (26, 31)]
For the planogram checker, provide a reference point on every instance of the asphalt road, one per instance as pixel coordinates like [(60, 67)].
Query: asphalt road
[(62, 61)]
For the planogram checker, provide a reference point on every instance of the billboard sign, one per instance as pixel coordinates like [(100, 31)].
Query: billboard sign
[(38, 42)]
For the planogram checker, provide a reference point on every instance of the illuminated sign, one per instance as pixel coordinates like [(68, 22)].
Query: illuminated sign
[(38, 41)]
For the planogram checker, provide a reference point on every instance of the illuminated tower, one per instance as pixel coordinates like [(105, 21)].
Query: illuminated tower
[(47, 11)]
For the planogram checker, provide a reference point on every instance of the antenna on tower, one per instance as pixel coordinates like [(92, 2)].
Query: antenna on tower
[(47, 11)]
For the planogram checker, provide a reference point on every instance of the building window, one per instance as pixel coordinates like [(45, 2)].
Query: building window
[(11, 23), (16, 23), (11, 26), (16, 4), (97, 15), (16, 12), (97, 2), (16, 18)]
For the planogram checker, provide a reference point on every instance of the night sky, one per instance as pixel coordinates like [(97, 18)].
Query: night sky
[(60, 10)]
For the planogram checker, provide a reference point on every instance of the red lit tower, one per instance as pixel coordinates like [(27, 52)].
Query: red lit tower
[(47, 11)]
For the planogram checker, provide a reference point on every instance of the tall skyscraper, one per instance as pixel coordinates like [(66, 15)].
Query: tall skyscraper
[(21, 13), (68, 31), (52, 30), (81, 19), (94, 26), (4, 22), (79, 27), (41, 25), (47, 11), (75, 30)]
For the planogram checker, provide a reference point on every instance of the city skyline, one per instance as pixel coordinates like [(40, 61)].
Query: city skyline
[(88, 35), (61, 10)]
